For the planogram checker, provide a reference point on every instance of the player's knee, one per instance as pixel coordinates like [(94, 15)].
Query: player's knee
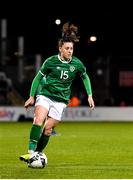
[(38, 121), (48, 131)]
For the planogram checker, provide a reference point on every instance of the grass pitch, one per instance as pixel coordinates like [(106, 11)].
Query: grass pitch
[(83, 150)]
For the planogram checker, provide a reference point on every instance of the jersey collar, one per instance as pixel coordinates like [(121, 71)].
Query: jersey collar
[(64, 61)]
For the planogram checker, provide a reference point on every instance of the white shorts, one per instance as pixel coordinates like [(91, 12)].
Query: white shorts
[(55, 109)]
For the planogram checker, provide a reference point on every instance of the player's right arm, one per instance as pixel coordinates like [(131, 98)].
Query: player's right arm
[(33, 90)]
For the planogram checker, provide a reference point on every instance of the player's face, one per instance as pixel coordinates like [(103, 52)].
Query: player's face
[(66, 50)]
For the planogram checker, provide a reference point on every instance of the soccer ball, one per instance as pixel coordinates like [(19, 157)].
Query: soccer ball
[(38, 160)]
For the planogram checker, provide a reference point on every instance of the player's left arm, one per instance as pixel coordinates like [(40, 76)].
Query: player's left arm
[(87, 84)]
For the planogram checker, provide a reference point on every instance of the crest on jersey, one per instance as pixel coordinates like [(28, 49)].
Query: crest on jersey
[(72, 68)]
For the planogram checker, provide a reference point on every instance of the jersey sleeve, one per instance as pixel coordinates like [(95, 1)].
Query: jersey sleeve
[(87, 84), (85, 78), (44, 67), (81, 69), (35, 84), (37, 80)]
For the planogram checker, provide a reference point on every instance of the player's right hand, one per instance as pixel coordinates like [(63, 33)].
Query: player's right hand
[(29, 102)]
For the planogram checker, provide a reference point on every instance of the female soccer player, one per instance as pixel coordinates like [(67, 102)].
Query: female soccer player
[(59, 71)]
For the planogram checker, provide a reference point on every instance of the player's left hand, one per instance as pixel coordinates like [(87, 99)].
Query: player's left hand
[(91, 102)]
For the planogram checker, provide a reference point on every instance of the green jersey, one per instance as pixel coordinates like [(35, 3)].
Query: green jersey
[(59, 75)]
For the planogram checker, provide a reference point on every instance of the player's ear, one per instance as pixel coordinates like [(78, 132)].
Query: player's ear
[(59, 49)]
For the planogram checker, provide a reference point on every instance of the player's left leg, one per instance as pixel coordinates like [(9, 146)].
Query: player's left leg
[(54, 132), (43, 141)]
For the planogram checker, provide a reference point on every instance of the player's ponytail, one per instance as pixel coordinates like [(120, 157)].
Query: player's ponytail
[(69, 34)]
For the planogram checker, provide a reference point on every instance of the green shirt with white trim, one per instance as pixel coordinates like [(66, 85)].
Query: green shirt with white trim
[(59, 75)]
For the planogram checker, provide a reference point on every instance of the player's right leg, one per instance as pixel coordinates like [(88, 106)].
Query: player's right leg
[(36, 130), (25, 157), (54, 117)]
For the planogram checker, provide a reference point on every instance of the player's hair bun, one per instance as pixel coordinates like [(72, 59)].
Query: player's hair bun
[(69, 32)]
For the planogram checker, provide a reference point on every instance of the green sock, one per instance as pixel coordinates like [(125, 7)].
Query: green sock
[(34, 136), (43, 141)]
